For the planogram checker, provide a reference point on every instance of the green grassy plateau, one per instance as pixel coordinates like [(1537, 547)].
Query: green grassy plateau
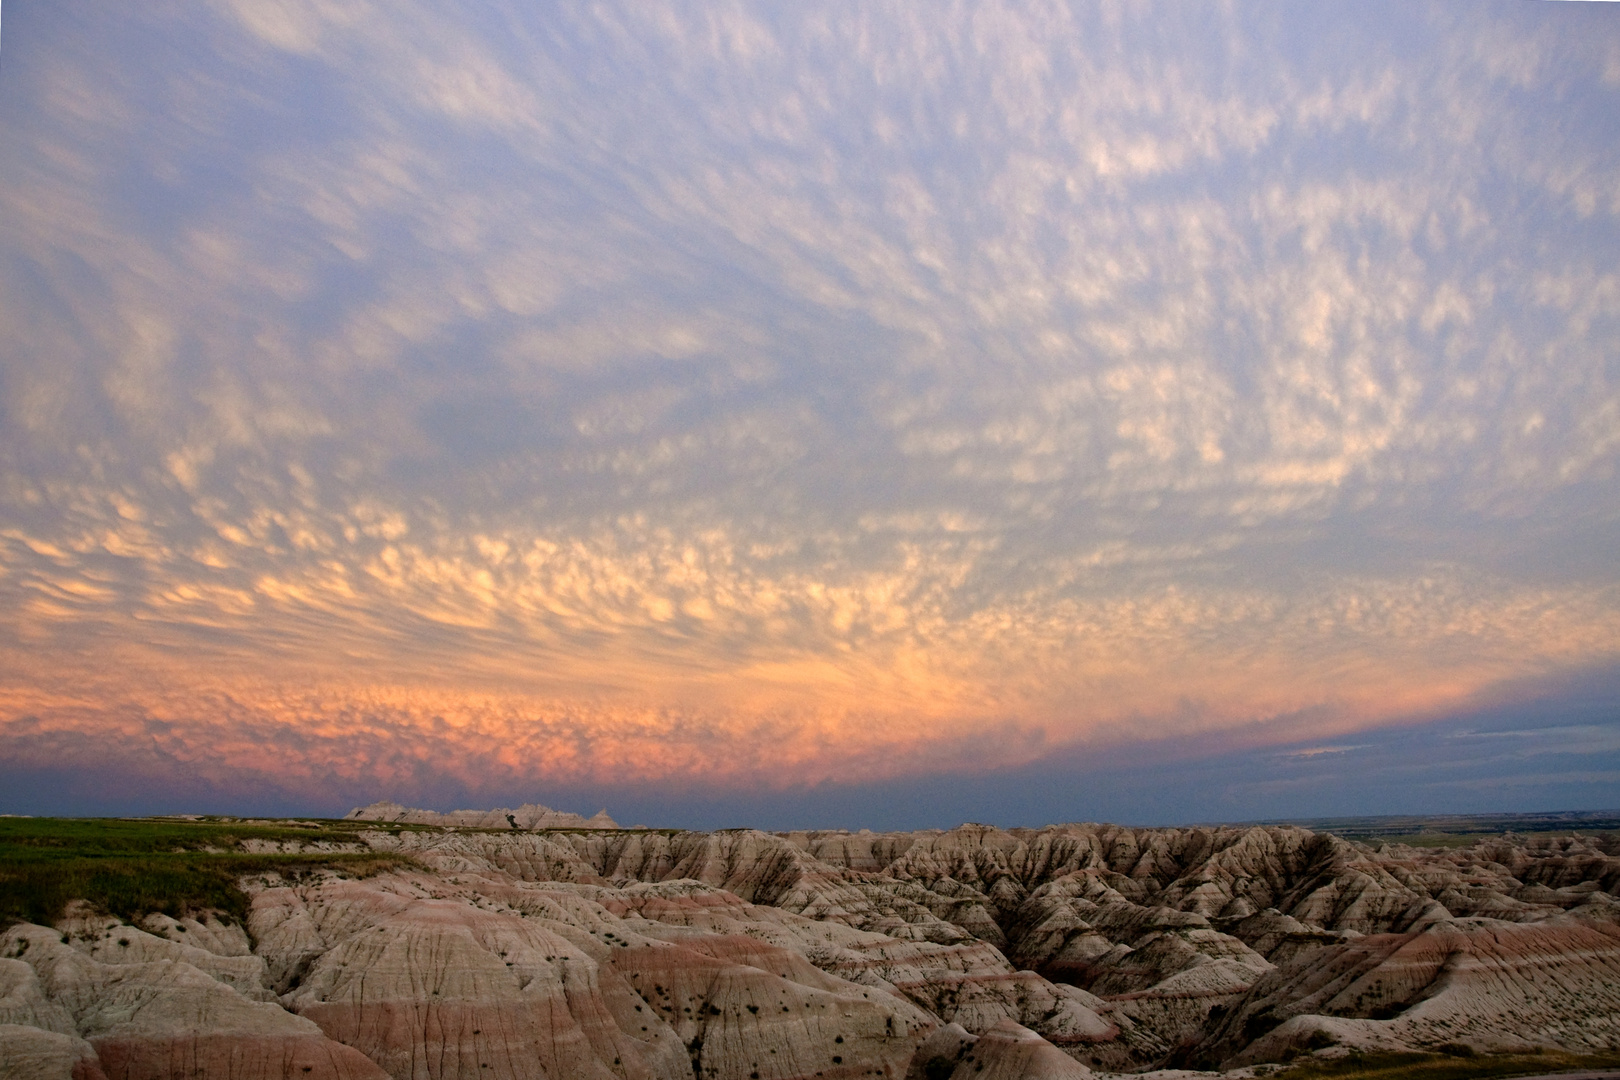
[(1460, 1066), (130, 867), (1461, 830)]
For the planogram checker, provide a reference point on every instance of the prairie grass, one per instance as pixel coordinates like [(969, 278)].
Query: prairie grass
[(1458, 1066), (1440, 840), (132, 867)]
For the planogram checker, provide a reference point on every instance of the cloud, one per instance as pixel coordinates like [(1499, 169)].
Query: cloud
[(1077, 373), (1318, 751)]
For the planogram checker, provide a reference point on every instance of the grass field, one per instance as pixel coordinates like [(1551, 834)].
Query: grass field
[(130, 867), (1461, 830), (1462, 1066), (1431, 840)]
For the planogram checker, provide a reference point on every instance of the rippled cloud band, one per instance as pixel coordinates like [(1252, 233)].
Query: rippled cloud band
[(746, 395)]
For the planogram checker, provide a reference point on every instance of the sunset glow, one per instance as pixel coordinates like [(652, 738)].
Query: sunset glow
[(487, 399)]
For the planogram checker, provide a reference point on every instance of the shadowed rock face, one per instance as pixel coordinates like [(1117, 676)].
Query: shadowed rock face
[(1490, 984), (641, 955)]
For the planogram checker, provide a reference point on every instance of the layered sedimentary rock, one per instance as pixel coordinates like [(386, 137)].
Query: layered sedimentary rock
[(148, 1017), (1005, 1052), (1483, 983), (527, 816), (31, 1053), (540, 951)]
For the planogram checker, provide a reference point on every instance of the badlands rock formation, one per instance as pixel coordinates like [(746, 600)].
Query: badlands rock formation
[(508, 951), (527, 816)]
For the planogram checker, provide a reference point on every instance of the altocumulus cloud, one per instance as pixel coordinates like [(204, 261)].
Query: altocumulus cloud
[(433, 397)]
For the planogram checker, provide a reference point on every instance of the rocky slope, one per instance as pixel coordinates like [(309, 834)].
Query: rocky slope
[(518, 950)]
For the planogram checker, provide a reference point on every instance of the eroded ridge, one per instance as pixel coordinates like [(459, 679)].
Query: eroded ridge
[(512, 948)]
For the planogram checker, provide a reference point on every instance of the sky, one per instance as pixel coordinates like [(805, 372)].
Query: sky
[(818, 414)]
